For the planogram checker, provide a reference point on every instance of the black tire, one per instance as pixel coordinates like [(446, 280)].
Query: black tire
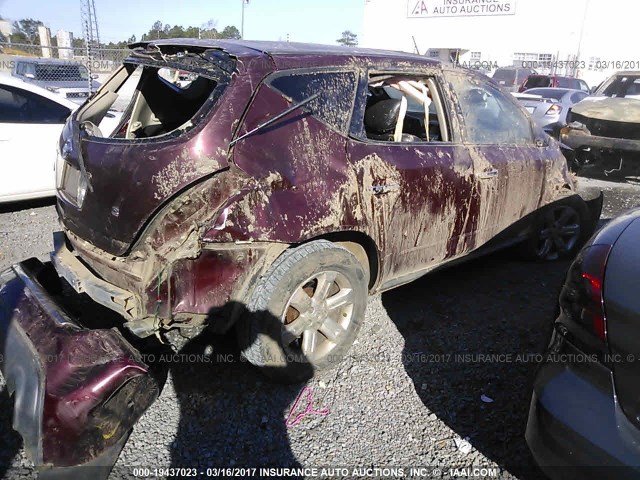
[(267, 333), (552, 229)]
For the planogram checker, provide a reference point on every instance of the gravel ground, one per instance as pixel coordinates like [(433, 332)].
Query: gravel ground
[(409, 390)]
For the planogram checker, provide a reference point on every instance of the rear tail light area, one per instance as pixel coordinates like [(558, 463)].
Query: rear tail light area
[(581, 299), (554, 109)]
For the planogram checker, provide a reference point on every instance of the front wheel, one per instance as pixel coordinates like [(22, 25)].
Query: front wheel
[(559, 231), (305, 312)]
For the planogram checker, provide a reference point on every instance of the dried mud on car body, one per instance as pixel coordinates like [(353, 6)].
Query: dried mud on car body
[(159, 268), (402, 405)]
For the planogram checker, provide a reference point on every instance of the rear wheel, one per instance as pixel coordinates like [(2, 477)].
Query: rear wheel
[(305, 312), (559, 231)]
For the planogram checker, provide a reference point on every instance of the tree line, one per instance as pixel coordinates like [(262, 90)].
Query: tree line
[(25, 31)]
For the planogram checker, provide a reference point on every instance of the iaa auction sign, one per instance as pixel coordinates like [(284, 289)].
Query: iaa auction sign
[(459, 8)]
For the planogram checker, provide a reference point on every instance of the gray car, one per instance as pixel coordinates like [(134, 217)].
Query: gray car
[(67, 78), (510, 78), (584, 419), (549, 106)]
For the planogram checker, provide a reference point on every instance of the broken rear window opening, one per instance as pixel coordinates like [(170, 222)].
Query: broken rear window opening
[(403, 108), (154, 98)]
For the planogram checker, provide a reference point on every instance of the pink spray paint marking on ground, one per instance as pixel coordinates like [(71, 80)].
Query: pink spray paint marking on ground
[(293, 420)]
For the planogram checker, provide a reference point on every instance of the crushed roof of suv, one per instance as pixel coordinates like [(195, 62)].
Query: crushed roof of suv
[(244, 48)]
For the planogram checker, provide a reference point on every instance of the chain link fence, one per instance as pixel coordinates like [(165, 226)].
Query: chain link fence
[(55, 67)]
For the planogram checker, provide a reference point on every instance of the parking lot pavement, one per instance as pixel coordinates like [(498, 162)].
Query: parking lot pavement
[(25, 230), (618, 196), (449, 356)]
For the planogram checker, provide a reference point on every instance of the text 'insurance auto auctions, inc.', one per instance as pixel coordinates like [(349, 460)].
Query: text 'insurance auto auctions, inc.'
[(460, 8)]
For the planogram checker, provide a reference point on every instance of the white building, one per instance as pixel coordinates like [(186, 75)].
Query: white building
[(65, 44), (586, 38), (6, 29), (45, 41)]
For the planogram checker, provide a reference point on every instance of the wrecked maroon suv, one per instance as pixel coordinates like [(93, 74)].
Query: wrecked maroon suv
[(269, 188)]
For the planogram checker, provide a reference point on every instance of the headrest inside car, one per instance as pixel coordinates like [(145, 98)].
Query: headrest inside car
[(381, 117)]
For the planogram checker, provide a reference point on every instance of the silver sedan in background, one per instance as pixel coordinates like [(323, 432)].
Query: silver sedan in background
[(549, 106)]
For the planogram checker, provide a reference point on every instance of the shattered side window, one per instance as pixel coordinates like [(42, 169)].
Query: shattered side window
[(336, 89), (404, 108), (489, 116)]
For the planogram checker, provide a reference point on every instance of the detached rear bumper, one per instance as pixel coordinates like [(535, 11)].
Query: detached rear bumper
[(77, 392)]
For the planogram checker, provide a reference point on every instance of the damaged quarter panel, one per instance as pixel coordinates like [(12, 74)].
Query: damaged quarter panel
[(189, 276), (298, 161), (170, 270)]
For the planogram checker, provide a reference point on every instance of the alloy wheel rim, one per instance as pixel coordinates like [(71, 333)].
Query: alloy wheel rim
[(559, 234), (318, 314)]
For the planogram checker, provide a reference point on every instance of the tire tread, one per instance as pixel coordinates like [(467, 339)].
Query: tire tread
[(259, 300)]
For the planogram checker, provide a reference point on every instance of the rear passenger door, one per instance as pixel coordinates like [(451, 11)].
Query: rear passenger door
[(311, 193), (415, 187), (508, 161)]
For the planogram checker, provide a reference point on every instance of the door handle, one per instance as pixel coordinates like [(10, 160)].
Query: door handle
[(381, 189), (491, 173)]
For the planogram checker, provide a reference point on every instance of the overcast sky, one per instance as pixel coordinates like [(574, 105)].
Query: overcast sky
[(318, 21)]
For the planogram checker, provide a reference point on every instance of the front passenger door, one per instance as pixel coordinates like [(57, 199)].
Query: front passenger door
[(510, 163)]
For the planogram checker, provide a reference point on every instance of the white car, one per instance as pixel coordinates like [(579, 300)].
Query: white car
[(31, 120)]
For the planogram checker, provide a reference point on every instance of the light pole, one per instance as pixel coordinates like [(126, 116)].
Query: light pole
[(244, 2), (584, 17)]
